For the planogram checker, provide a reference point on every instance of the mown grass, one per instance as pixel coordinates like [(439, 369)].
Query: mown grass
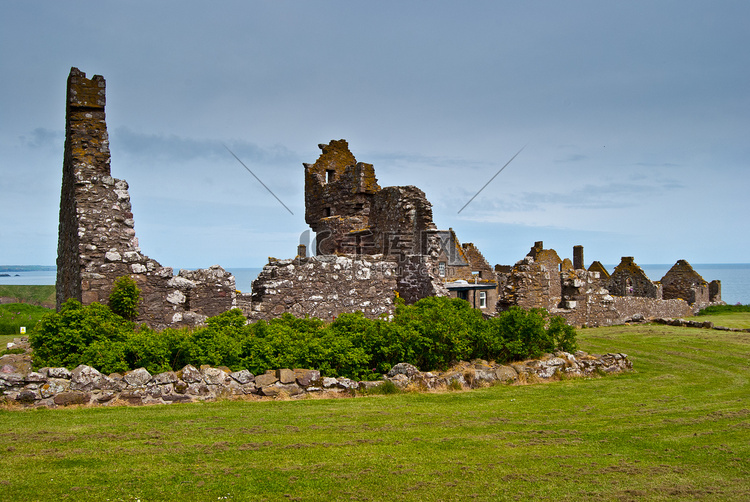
[(34, 294), (676, 428), (739, 320), (730, 316)]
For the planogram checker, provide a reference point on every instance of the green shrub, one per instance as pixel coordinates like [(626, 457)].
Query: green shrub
[(289, 342), (77, 334), (431, 334), (518, 334), (723, 309), (437, 331), (124, 298)]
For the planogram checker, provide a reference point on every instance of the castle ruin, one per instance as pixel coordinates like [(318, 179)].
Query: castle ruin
[(372, 243)]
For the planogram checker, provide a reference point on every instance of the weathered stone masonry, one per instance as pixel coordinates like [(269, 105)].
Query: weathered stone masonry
[(97, 241), (594, 298), (325, 286)]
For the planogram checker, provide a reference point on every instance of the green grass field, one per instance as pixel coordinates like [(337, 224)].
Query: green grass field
[(676, 428), (15, 315), (37, 301), (35, 295), (730, 320)]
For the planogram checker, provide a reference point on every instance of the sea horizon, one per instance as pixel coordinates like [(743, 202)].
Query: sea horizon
[(734, 277)]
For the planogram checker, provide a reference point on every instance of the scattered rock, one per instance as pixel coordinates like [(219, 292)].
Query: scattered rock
[(190, 374), (86, 378), (73, 397), (266, 379), (243, 376), (285, 376), (165, 378), (306, 377), (215, 376), (137, 378)]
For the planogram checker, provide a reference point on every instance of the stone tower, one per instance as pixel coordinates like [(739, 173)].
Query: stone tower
[(97, 241), (95, 219)]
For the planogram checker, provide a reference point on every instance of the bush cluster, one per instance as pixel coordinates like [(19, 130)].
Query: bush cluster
[(431, 334), (724, 309)]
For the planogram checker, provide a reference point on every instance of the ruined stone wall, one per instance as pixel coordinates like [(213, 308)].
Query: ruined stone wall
[(534, 282), (338, 195), (593, 312), (400, 219), (682, 281), (528, 286), (596, 266), (97, 241), (586, 303), (325, 287), (714, 291), (628, 279), (551, 261), (416, 279), (477, 261), (351, 214), (628, 307)]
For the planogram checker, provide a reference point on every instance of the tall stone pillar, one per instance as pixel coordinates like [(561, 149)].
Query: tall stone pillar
[(95, 217), (578, 258)]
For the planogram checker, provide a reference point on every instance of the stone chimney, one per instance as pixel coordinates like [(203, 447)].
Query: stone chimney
[(578, 257)]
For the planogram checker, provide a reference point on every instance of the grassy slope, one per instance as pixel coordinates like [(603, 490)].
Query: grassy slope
[(37, 295), (15, 315), (674, 429)]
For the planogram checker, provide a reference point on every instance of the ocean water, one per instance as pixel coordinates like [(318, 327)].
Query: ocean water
[(243, 277), (29, 278), (734, 277)]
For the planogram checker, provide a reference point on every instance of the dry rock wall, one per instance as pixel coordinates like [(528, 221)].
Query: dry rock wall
[(84, 385), (479, 373)]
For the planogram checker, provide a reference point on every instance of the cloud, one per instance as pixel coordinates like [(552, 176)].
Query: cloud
[(594, 197), (42, 138), (571, 158), (173, 148), (661, 164)]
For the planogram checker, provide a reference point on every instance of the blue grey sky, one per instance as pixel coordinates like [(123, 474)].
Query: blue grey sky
[(635, 117)]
